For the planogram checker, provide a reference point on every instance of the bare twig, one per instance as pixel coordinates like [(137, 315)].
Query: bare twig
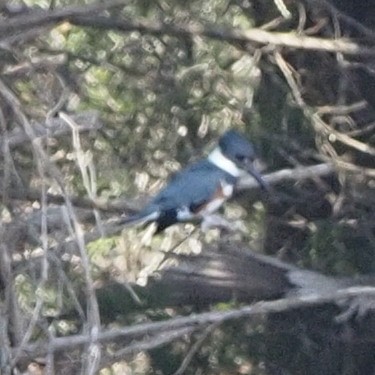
[(344, 138), (349, 20), (39, 303), (282, 9), (86, 165), (12, 325), (194, 349), (148, 343), (115, 205), (93, 317), (355, 168), (36, 64), (343, 109), (320, 126), (43, 18), (55, 127), (369, 128)]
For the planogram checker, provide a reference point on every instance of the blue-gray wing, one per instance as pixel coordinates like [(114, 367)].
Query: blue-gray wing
[(193, 186)]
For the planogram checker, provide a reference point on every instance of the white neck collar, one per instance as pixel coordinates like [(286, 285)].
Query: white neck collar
[(217, 158)]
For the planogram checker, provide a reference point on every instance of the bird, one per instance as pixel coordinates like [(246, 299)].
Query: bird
[(198, 191)]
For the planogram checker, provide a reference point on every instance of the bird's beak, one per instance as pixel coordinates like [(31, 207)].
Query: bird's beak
[(252, 172)]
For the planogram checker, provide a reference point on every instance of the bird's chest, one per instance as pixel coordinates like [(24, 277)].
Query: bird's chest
[(223, 193)]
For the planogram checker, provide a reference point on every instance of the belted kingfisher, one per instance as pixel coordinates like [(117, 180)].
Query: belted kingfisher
[(196, 192)]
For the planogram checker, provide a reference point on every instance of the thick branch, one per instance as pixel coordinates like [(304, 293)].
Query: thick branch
[(254, 35), (83, 16), (140, 330)]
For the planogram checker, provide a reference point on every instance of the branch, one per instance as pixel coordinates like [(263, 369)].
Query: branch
[(36, 18), (148, 343), (256, 35), (130, 207), (197, 320), (54, 127), (113, 227), (75, 229), (195, 348), (115, 205), (321, 127), (295, 174), (35, 64), (84, 16), (347, 19)]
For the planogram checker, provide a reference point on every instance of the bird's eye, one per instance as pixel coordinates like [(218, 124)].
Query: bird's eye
[(241, 158)]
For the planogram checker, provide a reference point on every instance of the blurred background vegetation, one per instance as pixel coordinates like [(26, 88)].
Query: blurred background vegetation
[(100, 104)]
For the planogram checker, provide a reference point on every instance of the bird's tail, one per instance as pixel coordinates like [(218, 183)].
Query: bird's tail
[(139, 219)]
